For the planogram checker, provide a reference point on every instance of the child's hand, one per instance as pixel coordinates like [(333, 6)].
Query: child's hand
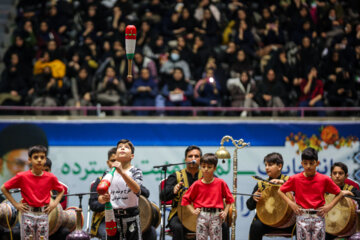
[(256, 199), (104, 198), (118, 166), (196, 211), (324, 210), (50, 207), (347, 192), (277, 181), (23, 207), (295, 208), (223, 215)]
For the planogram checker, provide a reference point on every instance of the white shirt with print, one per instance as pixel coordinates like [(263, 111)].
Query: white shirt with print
[(121, 195)]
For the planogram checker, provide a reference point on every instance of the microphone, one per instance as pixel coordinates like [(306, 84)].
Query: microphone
[(193, 161)]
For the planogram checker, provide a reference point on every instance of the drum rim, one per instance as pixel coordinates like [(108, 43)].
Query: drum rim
[(351, 221), (149, 218)]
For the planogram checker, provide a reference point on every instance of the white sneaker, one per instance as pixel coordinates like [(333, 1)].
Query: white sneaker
[(243, 114)]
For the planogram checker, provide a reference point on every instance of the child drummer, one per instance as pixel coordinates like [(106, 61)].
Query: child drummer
[(273, 165)]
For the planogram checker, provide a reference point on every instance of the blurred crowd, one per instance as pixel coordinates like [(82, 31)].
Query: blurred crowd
[(249, 53)]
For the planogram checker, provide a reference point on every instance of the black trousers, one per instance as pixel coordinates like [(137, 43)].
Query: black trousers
[(259, 229), (179, 231)]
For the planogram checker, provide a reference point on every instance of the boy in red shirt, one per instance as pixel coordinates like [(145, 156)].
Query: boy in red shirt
[(309, 187), (35, 185), (207, 196)]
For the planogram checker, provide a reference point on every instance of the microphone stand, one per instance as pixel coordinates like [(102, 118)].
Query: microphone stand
[(16, 190), (164, 169), (80, 195)]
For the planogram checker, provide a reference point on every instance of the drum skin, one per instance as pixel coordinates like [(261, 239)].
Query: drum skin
[(149, 214), (187, 218), (272, 210), (341, 220), (55, 219)]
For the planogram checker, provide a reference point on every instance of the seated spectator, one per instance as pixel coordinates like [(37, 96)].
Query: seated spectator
[(45, 90), (242, 92), (188, 22), (110, 90), (59, 23), (332, 66), (330, 26), (27, 32), (44, 35), (242, 63), (201, 53), (13, 86), (207, 91), (177, 91), (270, 92), (141, 62), (229, 56), (73, 66), (184, 48), (25, 53), (119, 62), (173, 62), (284, 72), (172, 27), (144, 34), (54, 51), (58, 68), (205, 5), (82, 92), (155, 49), (312, 91), (208, 28), (152, 11), (244, 37), (342, 92), (144, 91), (307, 56)]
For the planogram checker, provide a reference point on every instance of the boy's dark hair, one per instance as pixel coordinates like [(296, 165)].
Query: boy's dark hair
[(192, 147), (274, 157), (37, 149), (111, 152), (309, 154), (126, 141), (340, 165), (209, 158), (48, 163)]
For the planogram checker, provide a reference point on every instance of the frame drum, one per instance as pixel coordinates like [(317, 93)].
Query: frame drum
[(8, 213), (55, 219), (186, 217), (272, 210), (341, 220), (149, 214)]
